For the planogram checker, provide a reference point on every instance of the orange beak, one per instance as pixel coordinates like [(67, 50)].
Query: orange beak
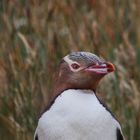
[(110, 67), (104, 68)]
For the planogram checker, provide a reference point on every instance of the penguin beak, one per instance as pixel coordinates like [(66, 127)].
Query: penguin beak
[(110, 67), (104, 68)]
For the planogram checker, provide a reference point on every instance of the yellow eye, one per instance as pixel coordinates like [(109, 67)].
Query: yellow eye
[(75, 66)]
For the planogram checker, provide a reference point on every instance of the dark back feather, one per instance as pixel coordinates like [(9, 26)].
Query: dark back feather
[(119, 135)]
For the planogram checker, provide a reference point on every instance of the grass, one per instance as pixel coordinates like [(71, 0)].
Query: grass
[(35, 35)]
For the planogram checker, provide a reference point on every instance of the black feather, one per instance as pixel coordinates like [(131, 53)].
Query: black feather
[(36, 137), (119, 135)]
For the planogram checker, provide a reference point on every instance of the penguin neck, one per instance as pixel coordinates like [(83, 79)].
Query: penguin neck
[(61, 87)]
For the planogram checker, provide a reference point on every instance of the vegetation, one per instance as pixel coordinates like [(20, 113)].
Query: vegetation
[(35, 35)]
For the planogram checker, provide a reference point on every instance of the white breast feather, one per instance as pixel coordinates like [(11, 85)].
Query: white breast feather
[(77, 115)]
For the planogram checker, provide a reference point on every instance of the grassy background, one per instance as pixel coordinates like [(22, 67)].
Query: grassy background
[(35, 35)]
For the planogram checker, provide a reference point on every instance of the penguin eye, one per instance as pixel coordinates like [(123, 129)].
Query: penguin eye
[(75, 66)]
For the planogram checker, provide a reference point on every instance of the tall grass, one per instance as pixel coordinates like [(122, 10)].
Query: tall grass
[(35, 35)]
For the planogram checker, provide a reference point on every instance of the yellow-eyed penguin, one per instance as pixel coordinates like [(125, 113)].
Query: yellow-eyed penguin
[(75, 112)]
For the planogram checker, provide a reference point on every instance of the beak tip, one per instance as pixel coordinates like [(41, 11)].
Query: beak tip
[(111, 67)]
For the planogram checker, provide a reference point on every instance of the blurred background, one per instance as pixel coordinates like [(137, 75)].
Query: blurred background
[(36, 34)]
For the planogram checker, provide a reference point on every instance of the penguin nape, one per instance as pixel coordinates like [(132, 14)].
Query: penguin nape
[(75, 112)]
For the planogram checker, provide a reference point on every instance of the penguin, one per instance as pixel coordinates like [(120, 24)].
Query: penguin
[(75, 112)]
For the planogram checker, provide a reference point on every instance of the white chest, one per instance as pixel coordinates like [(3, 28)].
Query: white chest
[(77, 115)]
